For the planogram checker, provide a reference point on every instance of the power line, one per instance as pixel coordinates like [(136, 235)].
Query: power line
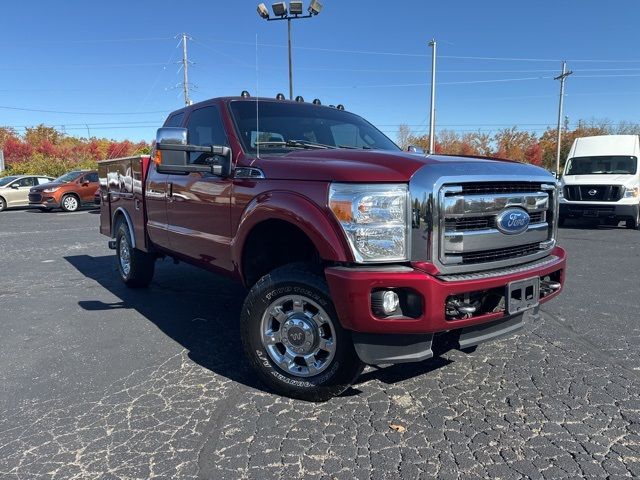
[(85, 41), (4, 107), (410, 54)]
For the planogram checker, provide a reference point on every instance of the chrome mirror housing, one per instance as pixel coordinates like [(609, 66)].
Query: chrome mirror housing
[(415, 149), (171, 136)]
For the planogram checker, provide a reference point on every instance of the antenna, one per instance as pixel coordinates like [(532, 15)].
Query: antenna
[(257, 96)]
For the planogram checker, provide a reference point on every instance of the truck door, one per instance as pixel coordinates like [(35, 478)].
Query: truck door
[(156, 196), (198, 204)]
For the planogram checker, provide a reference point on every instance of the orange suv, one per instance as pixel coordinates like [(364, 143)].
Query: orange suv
[(68, 192)]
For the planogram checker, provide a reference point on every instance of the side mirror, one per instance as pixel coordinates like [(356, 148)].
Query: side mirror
[(172, 154), (15, 186), (414, 149)]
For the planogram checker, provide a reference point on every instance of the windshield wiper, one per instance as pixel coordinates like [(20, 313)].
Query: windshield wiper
[(351, 147), (293, 144)]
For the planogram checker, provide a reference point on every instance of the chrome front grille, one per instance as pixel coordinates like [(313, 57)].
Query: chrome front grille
[(469, 237), (482, 223)]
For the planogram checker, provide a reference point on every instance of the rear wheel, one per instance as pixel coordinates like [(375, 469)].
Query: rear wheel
[(136, 267), (292, 336), (70, 203)]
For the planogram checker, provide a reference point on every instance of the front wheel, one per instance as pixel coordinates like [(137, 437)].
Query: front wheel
[(136, 267), (3, 204), (633, 224), (292, 336), (70, 203)]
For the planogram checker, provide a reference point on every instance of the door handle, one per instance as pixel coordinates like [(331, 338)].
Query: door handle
[(169, 189)]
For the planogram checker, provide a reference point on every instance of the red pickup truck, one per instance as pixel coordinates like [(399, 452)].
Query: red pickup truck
[(353, 251)]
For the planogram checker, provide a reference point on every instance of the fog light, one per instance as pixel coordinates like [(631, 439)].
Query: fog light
[(385, 303), (390, 302)]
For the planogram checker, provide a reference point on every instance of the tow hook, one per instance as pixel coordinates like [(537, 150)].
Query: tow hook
[(548, 286), (463, 309), (112, 244)]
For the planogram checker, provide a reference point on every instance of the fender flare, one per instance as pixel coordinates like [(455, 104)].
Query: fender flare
[(127, 218), (301, 212)]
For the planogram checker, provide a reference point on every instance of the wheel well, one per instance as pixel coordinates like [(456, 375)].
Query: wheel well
[(73, 194), (274, 243)]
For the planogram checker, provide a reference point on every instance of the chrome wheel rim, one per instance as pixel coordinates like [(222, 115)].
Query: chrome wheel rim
[(70, 203), (125, 257), (298, 335)]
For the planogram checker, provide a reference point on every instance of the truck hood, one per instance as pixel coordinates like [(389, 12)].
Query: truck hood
[(612, 179), (366, 165)]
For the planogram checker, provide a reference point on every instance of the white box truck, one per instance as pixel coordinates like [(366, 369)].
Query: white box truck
[(601, 180)]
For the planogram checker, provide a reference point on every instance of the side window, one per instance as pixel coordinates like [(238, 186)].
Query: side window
[(91, 177), (42, 180), (205, 128), (175, 120), (25, 182)]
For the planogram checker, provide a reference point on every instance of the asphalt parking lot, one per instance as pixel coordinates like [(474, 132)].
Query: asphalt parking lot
[(99, 381)]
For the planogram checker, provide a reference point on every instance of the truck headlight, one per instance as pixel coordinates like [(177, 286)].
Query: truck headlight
[(374, 218), (631, 192), (50, 190)]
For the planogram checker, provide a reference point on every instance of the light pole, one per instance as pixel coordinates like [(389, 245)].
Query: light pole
[(293, 13)]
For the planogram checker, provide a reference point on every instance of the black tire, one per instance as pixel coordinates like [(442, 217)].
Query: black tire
[(44, 209), (300, 280), (632, 224), (561, 221), (141, 265), (70, 203), (3, 204)]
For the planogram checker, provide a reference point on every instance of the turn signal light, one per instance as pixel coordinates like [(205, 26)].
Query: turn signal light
[(341, 209)]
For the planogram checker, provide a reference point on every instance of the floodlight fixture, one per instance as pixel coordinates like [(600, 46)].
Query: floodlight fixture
[(295, 8), (263, 11), (315, 7), (279, 9)]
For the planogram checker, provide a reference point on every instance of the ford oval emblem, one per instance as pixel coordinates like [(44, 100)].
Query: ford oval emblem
[(513, 221)]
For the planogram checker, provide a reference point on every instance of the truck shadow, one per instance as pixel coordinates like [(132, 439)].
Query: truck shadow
[(200, 311)]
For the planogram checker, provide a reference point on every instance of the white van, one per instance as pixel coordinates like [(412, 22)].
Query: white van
[(601, 180)]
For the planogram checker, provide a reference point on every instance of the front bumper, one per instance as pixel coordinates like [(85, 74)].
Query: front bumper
[(598, 210), (351, 290), (46, 202)]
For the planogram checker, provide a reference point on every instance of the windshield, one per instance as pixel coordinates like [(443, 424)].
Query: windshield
[(288, 126), (609, 164), (7, 180), (68, 177)]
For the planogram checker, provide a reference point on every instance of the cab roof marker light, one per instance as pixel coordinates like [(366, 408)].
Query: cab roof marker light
[(245, 94), (280, 96), (299, 98), (316, 101)]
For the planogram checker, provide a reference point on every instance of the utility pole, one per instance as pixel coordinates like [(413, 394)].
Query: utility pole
[(562, 77), (185, 69), (432, 114), (290, 60)]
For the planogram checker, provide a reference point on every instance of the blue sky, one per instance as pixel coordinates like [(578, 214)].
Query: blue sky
[(113, 62)]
